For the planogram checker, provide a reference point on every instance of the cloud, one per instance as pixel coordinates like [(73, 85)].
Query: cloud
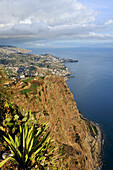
[(52, 12), (49, 20), (33, 17), (101, 36), (109, 22), (96, 35)]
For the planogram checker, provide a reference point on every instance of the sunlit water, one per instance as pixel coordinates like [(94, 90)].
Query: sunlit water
[(92, 88)]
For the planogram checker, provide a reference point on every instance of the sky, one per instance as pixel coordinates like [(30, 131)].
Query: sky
[(56, 23)]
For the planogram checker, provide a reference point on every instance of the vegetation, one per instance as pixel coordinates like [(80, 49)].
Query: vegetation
[(76, 139), (28, 80), (28, 142), (2, 75), (93, 129), (32, 68), (25, 140), (33, 86), (24, 91)]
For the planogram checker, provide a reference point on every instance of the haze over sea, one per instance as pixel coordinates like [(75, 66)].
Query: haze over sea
[(92, 88)]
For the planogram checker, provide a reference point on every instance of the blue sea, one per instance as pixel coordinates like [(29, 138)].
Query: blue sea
[(92, 88)]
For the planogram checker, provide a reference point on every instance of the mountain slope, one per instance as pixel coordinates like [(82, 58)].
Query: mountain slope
[(78, 140)]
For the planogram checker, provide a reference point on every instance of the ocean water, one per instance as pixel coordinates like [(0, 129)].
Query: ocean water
[(92, 88)]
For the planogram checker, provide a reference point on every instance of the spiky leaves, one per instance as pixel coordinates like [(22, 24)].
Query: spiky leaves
[(31, 147)]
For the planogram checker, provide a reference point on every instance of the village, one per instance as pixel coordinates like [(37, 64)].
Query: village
[(19, 63)]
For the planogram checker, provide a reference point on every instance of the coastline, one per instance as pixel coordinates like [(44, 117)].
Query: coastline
[(100, 142), (100, 136)]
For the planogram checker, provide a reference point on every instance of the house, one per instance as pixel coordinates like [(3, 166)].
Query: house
[(20, 76)]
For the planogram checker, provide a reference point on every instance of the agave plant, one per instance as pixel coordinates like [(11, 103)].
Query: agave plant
[(31, 148)]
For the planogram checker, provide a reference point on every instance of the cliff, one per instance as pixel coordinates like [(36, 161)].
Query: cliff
[(78, 140)]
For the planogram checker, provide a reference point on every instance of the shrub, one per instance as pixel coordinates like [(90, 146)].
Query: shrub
[(30, 146)]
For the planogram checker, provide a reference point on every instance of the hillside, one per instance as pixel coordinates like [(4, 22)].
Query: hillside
[(78, 140), (36, 83)]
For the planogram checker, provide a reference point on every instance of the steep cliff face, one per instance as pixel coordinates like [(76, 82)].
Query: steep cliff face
[(78, 140)]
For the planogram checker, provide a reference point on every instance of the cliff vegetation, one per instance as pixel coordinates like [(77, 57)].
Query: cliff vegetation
[(77, 139)]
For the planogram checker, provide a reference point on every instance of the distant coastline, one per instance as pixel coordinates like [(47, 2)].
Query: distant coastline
[(22, 63)]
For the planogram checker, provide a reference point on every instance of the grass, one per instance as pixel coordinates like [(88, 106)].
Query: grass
[(25, 91), (61, 151), (34, 86), (28, 80), (41, 77), (40, 99)]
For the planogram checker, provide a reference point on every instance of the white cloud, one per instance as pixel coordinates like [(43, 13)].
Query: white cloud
[(52, 19), (34, 16), (52, 12), (109, 22), (102, 36), (96, 35), (26, 21)]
